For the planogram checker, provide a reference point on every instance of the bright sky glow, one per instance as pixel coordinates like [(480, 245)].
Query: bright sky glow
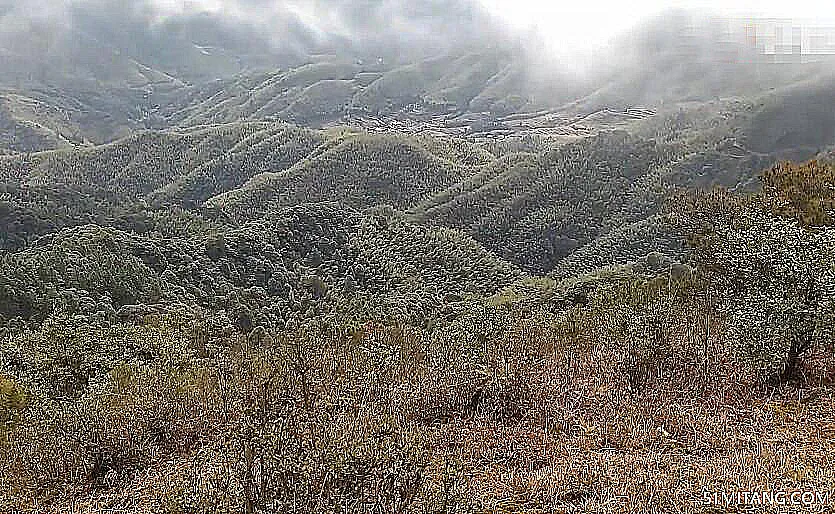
[(582, 25), (573, 29)]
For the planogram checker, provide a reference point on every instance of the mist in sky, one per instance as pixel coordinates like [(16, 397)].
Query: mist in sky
[(565, 28), (575, 35), (574, 31), (195, 39), (566, 25)]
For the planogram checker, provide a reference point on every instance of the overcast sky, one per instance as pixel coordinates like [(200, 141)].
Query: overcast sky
[(572, 27), (583, 24)]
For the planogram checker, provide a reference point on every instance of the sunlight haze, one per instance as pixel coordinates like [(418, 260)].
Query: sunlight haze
[(582, 26)]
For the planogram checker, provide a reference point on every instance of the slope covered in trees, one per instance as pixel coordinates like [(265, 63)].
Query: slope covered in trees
[(533, 209), (359, 170), (116, 184), (302, 260)]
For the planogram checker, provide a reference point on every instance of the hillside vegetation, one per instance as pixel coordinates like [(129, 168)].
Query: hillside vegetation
[(410, 359), (390, 257), (211, 305)]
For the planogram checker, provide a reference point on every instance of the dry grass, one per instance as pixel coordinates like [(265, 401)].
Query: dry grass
[(631, 406)]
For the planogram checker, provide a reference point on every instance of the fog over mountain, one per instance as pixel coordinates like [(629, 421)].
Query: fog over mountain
[(151, 41), (97, 70), (194, 40)]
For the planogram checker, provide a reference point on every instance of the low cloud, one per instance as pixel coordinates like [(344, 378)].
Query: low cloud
[(195, 40)]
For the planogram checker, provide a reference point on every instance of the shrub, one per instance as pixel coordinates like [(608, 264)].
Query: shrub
[(12, 399)]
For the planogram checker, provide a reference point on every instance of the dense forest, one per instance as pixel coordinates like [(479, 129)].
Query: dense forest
[(342, 275)]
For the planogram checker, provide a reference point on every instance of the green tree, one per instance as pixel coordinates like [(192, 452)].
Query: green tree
[(777, 282)]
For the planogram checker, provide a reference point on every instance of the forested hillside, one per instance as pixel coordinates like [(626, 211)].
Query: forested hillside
[(223, 268), (210, 343), (336, 263)]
